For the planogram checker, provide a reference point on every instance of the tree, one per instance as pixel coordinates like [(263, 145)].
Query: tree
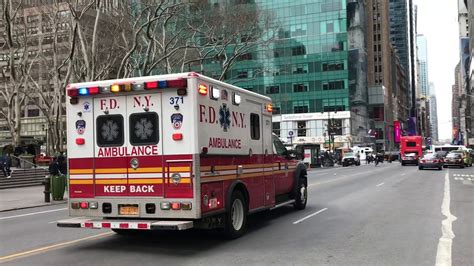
[(229, 33), (14, 74)]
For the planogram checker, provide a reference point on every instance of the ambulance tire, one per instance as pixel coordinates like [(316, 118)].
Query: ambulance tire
[(301, 197), (236, 216)]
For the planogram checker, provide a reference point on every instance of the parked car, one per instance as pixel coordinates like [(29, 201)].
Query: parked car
[(431, 160), (350, 158), (453, 159)]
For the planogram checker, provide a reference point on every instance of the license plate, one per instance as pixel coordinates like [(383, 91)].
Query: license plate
[(128, 209), (213, 203)]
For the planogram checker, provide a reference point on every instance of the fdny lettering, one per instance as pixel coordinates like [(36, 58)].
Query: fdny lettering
[(207, 114), (114, 189), (222, 143), (108, 104), (238, 119), (139, 101), (124, 151)]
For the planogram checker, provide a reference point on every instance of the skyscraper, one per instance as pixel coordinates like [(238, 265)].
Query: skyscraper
[(403, 33), (423, 61), (433, 114)]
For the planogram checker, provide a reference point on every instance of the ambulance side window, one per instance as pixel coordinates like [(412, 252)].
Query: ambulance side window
[(254, 126), (144, 128), (109, 130), (278, 146)]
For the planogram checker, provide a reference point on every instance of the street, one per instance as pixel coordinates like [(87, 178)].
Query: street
[(365, 215)]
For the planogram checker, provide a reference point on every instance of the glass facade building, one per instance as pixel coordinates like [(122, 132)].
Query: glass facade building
[(306, 71)]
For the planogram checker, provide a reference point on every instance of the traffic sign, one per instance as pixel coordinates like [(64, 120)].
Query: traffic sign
[(290, 133)]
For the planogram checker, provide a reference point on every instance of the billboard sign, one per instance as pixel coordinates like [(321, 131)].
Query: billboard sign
[(397, 131)]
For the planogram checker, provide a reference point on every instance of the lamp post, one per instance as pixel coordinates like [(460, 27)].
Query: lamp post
[(45, 129)]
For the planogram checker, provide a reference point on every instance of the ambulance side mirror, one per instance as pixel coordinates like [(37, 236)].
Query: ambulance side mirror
[(292, 154)]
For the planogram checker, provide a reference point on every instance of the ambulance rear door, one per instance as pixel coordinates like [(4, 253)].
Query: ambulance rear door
[(128, 152)]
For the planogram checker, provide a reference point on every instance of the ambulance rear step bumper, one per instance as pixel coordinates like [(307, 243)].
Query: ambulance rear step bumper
[(125, 224)]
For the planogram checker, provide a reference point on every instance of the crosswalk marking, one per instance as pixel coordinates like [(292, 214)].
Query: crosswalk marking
[(466, 179)]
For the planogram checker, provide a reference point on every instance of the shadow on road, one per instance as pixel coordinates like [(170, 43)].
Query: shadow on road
[(189, 242)]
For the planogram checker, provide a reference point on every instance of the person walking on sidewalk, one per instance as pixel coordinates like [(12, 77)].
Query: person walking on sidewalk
[(5, 165)]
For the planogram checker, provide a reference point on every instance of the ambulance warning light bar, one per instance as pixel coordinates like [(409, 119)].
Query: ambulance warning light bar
[(114, 88)]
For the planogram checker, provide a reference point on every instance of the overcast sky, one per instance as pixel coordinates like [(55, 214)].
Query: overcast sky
[(437, 20)]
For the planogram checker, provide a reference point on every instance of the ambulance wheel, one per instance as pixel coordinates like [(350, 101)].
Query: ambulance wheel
[(236, 216), (301, 194)]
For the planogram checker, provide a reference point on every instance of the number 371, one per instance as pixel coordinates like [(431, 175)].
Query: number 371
[(176, 100)]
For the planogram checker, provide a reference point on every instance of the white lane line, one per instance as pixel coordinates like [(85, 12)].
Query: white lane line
[(309, 216), (32, 213), (381, 184), (403, 174), (443, 254)]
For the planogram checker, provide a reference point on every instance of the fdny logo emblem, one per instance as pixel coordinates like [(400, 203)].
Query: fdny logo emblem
[(177, 120), (86, 106), (80, 126), (224, 117)]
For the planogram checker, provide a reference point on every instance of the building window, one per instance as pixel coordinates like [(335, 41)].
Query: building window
[(300, 109), (272, 89), (334, 85), (300, 87), (33, 113), (329, 27), (298, 30), (254, 126), (335, 127), (276, 128), (298, 50), (301, 128), (333, 66), (300, 69), (276, 110)]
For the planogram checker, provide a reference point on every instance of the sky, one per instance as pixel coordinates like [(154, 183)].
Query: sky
[(438, 21)]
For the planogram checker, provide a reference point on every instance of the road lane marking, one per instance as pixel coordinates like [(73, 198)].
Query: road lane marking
[(403, 174), (444, 251), (52, 247), (32, 213), (309, 216), (381, 184)]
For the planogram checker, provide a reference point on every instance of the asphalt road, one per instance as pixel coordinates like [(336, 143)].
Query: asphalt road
[(366, 215)]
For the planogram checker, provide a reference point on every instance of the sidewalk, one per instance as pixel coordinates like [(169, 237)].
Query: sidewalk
[(25, 197)]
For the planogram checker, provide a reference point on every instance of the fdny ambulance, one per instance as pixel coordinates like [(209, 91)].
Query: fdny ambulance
[(174, 152)]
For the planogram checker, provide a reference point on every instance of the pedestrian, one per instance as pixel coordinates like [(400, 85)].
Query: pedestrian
[(5, 165), (54, 167), (62, 165)]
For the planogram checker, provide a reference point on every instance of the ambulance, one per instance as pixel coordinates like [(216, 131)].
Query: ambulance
[(174, 152)]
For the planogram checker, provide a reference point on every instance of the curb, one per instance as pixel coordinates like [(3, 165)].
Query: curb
[(35, 206)]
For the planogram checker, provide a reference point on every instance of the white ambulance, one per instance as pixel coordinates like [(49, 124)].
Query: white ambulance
[(174, 152)]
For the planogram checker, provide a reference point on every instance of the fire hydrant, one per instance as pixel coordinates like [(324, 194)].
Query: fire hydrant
[(47, 186)]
